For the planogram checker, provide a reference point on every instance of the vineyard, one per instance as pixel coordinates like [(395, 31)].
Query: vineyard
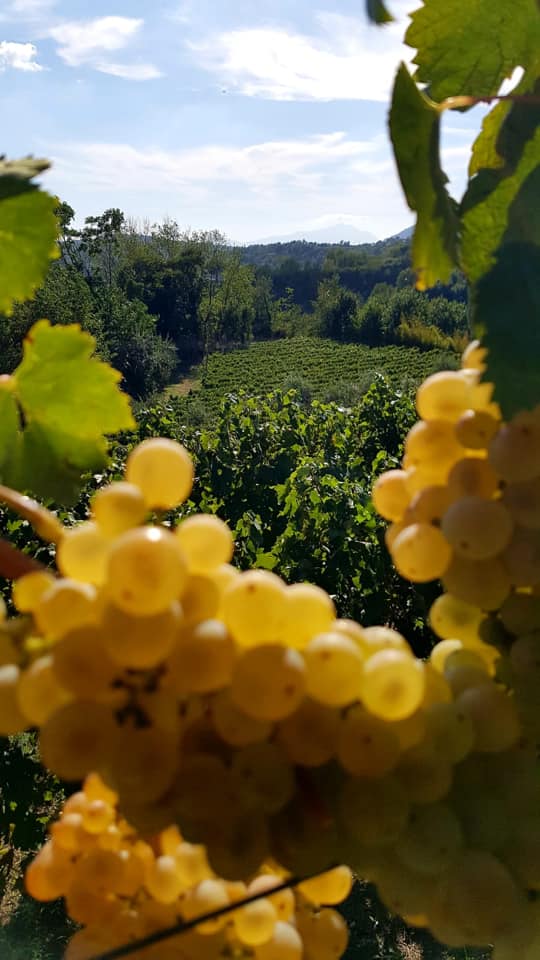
[(320, 367), (269, 684)]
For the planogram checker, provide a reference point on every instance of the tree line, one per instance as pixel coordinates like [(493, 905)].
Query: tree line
[(159, 299)]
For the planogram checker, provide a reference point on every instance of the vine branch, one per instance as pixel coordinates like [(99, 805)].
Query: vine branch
[(14, 563)]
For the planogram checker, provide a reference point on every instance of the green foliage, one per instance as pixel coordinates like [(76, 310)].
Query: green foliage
[(473, 45), (377, 12), (28, 230), (68, 400), (414, 129)]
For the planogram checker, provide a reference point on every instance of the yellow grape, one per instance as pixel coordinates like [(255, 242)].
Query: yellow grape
[(334, 667), (520, 613), (140, 643), (472, 477), (390, 495), (428, 505), (450, 730), (254, 608), (263, 776), (393, 684), (206, 542), (12, 719), (308, 611), (441, 651), (424, 775), (283, 901), (203, 659), (163, 472), (382, 638), (412, 730), (421, 553), (39, 692), (521, 558), (142, 762), (452, 618), (255, 923), (269, 682), (479, 897), (374, 811), (77, 738), (522, 500), (437, 689), (474, 357), (66, 605), (514, 451), (493, 715), (284, 944), (475, 429), (481, 583), (432, 441), (233, 725), (324, 934), (83, 553), (309, 735), (28, 590), (476, 528), (392, 532), (82, 665), (329, 888), (118, 507), (49, 874), (431, 839), (146, 572), (367, 747), (201, 598), (443, 396), (163, 881), (192, 863), (207, 896)]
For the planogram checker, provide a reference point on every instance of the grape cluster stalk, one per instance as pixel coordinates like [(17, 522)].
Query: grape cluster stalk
[(241, 717)]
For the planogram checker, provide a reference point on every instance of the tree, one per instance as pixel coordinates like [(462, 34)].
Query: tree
[(336, 310)]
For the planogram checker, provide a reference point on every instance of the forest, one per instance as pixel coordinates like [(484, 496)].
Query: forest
[(159, 300)]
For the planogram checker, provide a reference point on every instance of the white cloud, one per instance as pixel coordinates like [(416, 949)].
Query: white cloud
[(350, 60), (82, 41), (27, 9), (259, 167), (183, 12), (130, 71), (19, 56)]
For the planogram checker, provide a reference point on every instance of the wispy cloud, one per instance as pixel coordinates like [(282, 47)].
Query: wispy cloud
[(82, 41), (130, 71), (87, 43), (182, 12), (19, 56), (27, 9), (348, 59), (304, 162)]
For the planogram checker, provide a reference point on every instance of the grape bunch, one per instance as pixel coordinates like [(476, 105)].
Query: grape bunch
[(245, 713), (120, 888)]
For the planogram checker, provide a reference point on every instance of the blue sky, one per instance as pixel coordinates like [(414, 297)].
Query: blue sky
[(258, 118)]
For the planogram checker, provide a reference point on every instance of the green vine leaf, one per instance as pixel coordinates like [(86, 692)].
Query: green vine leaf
[(414, 130), (377, 12), (28, 231), (69, 400), (486, 204), (505, 305), (471, 46)]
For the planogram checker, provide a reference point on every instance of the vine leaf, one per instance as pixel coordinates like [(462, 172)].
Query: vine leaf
[(68, 401), (471, 46), (414, 130), (513, 154), (377, 12), (28, 231), (505, 305)]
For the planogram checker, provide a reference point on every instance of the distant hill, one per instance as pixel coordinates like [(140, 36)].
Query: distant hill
[(335, 233)]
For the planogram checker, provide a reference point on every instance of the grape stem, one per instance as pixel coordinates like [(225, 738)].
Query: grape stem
[(14, 563), (185, 925)]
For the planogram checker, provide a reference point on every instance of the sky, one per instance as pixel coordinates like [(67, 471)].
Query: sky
[(259, 118)]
